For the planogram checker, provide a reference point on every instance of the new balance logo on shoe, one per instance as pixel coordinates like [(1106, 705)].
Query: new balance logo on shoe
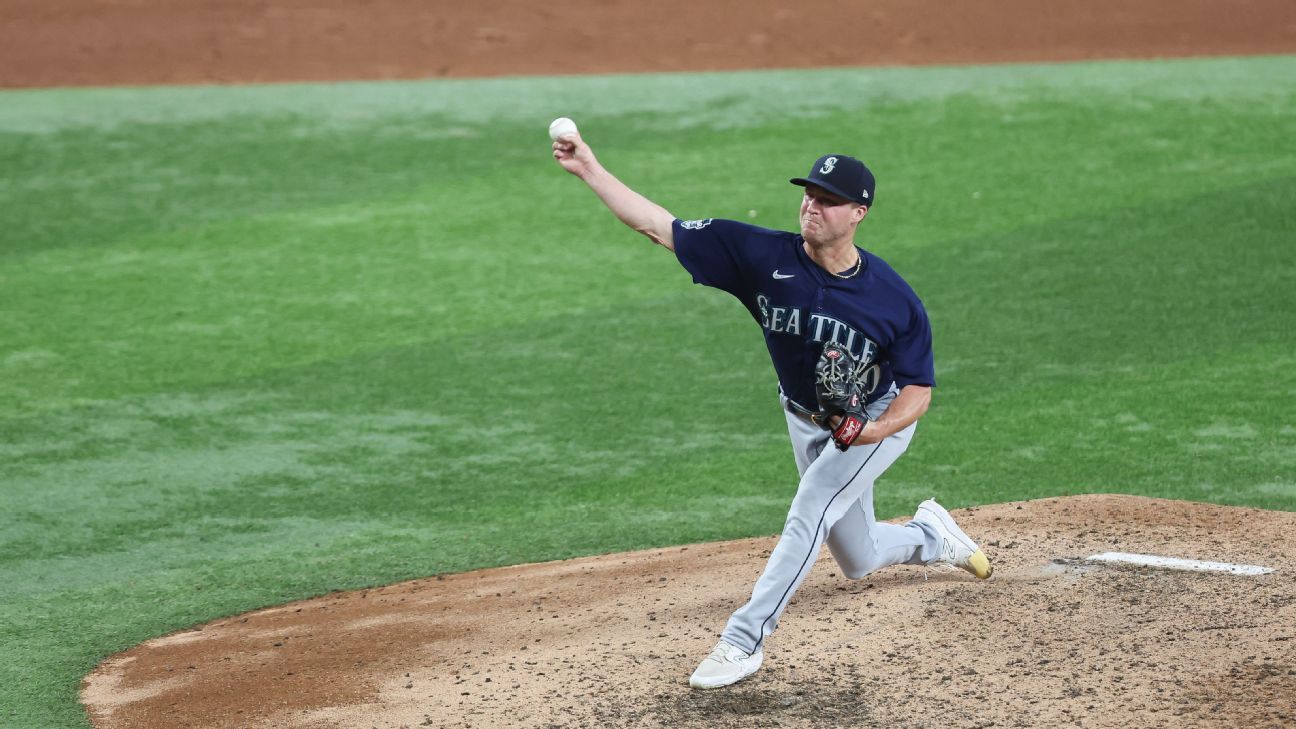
[(956, 547), (949, 555)]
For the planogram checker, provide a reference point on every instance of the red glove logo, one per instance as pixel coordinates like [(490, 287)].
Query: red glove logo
[(847, 431)]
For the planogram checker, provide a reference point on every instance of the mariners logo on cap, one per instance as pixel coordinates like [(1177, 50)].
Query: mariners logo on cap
[(828, 166)]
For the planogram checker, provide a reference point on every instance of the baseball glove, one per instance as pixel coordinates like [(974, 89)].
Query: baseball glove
[(837, 386)]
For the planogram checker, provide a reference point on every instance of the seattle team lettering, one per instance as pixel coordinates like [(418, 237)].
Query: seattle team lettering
[(820, 328)]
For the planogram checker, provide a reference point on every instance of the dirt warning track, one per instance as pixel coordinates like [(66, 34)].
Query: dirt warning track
[(126, 42), (1050, 640)]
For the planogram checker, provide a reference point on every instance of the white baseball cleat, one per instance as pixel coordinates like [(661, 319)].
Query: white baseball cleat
[(727, 664), (956, 547)]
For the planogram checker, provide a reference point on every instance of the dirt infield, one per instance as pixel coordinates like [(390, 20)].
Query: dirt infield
[(1050, 640), (102, 42)]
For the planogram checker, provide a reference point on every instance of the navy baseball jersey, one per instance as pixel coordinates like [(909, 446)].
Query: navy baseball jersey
[(873, 313)]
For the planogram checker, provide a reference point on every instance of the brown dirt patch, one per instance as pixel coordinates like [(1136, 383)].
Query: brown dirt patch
[(1050, 640), (112, 42)]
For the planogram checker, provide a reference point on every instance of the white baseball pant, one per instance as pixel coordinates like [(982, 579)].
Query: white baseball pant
[(834, 502)]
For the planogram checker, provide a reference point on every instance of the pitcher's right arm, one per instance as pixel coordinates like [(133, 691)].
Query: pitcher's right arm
[(635, 210)]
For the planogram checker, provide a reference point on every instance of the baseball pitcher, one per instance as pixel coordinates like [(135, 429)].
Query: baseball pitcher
[(852, 348)]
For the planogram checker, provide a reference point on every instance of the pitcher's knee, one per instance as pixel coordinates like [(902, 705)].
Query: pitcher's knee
[(856, 567), (851, 569), (855, 573), (799, 525)]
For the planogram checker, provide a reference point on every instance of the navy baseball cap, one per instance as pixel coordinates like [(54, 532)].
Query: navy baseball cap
[(843, 176)]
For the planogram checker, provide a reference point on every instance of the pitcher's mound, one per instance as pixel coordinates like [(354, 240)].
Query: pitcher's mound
[(610, 641)]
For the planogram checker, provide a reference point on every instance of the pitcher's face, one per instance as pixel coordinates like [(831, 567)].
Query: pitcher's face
[(826, 218)]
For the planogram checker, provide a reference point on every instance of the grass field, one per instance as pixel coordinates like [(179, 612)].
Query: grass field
[(261, 343)]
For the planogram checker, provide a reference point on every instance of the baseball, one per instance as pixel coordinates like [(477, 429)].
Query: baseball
[(561, 127)]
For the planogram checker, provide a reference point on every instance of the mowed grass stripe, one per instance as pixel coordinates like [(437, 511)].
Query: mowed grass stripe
[(471, 250), (728, 100), (127, 162), (289, 340)]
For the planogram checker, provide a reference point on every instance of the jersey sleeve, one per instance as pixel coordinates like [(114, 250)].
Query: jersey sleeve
[(715, 251), (911, 353)]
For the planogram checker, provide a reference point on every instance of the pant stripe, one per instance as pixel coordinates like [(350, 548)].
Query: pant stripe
[(778, 607)]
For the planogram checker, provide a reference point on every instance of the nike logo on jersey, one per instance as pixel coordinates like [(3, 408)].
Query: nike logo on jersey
[(778, 275)]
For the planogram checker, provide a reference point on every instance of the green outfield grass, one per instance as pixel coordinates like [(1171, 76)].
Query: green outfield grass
[(261, 343)]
